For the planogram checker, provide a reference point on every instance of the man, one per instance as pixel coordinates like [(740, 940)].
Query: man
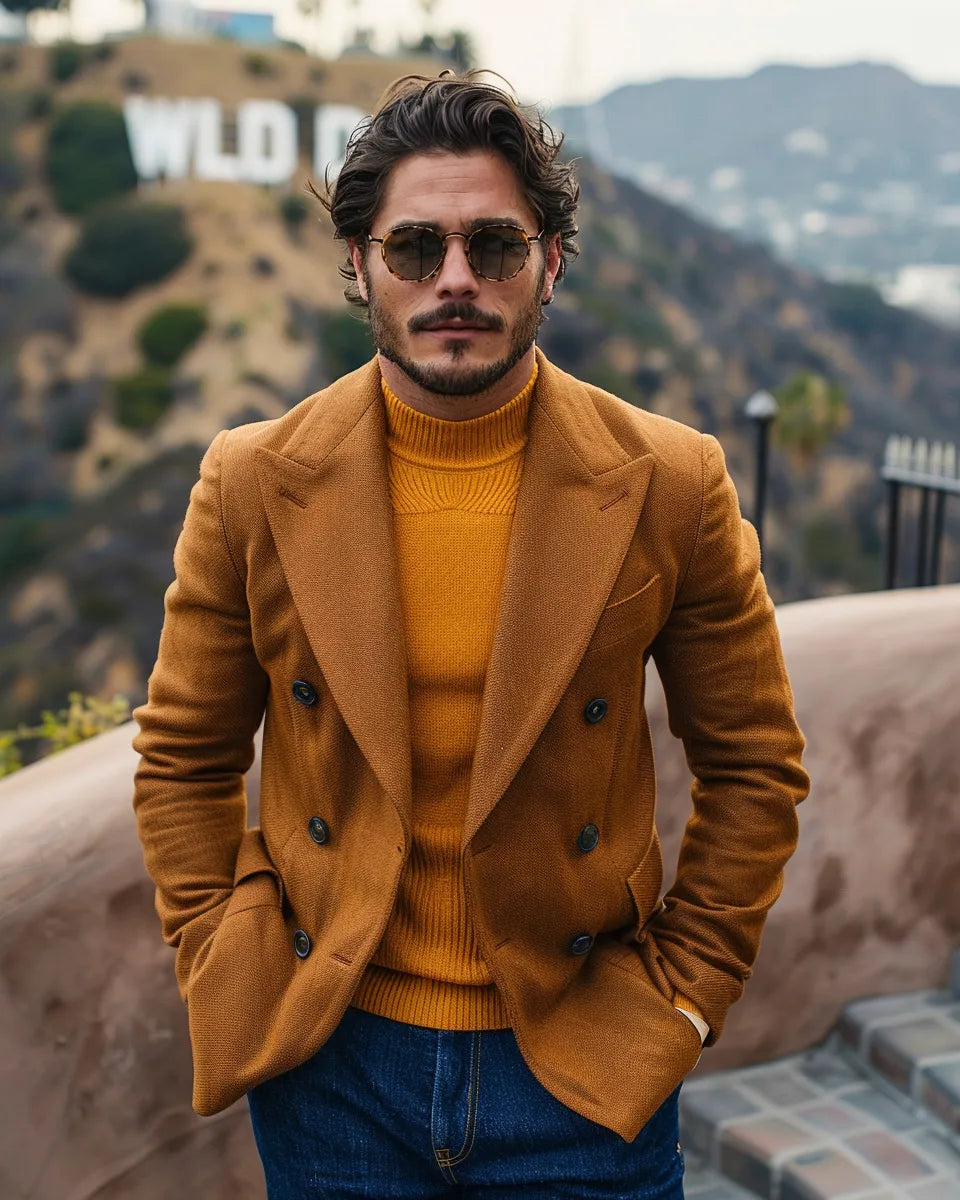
[(441, 961)]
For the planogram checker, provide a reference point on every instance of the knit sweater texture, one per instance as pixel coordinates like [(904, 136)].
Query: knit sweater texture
[(453, 486)]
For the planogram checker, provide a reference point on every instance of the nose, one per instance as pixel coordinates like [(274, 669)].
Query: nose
[(455, 277)]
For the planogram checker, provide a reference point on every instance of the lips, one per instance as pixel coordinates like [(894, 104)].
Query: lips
[(455, 318)]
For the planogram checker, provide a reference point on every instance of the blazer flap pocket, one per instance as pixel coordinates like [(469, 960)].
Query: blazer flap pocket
[(622, 617), (253, 858)]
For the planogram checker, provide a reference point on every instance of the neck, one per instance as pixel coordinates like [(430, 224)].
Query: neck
[(457, 408)]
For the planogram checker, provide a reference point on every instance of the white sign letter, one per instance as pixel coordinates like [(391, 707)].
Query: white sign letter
[(209, 160), (160, 133), (256, 119), (332, 126)]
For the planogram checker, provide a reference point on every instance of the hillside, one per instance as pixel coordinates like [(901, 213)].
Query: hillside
[(668, 313)]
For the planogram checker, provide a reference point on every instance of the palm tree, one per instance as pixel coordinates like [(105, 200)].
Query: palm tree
[(812, 410)]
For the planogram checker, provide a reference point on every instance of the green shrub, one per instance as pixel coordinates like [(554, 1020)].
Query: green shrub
[(97, 606), (24, 540), (65, 60), (257, 63), (102, 51), (88, 156), (11, 168), (602, 374), (294, 210), (71, 432), (346, 343), (85, 717), (38, 104), (860, 310), (142, 397), (169, 333), (834, 551), (123, 245)]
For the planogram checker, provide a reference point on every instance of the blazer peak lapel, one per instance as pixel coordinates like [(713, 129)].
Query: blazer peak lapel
[(577, 508), (332, 521)]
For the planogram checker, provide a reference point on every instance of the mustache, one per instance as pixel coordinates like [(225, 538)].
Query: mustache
[(451, 311)]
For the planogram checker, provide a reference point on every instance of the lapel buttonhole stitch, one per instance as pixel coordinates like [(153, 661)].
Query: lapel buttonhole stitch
[(285, 491)]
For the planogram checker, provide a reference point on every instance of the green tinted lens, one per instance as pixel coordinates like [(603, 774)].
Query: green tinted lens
[(412, 253), (498, 251)]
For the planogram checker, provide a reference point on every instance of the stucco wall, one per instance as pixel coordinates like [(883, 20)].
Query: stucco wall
[(95, 1066)]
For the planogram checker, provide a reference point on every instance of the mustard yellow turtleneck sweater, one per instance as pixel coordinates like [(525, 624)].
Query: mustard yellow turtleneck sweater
[(453, 485)]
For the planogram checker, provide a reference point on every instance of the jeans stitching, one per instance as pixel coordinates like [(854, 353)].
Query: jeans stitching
[(441, 1154), (471, 1126)]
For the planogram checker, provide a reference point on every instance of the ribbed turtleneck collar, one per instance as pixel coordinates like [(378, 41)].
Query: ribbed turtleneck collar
[(479, 441)]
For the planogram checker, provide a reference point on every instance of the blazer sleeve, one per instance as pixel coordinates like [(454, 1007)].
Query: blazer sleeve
[(729, 699), (205, 699)]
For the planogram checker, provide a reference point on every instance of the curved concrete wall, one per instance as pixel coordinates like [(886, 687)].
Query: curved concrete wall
[(95, 1067)]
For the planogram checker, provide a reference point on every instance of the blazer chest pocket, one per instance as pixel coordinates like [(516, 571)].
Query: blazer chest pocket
[(639, 610)]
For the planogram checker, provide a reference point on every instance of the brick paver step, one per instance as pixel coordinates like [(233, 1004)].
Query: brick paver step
[(818, 1126), (912, 1041)]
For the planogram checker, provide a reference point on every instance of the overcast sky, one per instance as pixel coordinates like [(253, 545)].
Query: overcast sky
[(583, 48)]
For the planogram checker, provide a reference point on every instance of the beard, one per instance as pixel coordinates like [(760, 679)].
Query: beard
[(450, 378)]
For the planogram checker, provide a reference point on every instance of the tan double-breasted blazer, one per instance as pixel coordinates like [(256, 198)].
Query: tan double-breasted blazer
[(627, 543)]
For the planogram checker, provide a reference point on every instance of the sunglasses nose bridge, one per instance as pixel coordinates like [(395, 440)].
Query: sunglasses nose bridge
[(465, 237)]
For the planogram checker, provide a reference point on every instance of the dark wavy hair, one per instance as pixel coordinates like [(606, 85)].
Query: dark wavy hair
[(455, 114)]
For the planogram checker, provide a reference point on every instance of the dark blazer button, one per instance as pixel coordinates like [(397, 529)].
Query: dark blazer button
[(581, 944), (595, 711), (588, 837), (301, 943), (304, 692), (319, 830)]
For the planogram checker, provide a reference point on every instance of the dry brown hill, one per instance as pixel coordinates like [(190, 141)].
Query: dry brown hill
[(661, 309)]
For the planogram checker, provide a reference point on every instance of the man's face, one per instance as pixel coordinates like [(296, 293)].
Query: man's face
[(456, 333)]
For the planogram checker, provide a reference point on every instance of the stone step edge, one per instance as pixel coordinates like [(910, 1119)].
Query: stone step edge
[(913, 1100), (768, 1172)]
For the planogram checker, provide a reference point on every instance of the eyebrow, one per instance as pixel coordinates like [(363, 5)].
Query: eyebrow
[(478, 223)]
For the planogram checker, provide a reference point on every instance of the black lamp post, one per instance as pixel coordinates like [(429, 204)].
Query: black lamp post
[(762, 409)]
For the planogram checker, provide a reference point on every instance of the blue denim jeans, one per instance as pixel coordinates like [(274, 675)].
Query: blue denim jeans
[(395, 1111)]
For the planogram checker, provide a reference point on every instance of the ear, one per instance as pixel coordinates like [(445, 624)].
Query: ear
[(553, 252), (356, 257)]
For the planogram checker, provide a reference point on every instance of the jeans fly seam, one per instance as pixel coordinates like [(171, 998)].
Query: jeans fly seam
[(440, 1153), (474, 1092)]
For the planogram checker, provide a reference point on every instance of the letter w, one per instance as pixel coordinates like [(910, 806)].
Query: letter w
[(161, 134)]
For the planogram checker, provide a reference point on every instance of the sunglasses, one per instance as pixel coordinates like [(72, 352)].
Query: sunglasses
[(416, 253)]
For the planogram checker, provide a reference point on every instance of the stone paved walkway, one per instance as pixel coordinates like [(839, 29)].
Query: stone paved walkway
[(872, 1114)]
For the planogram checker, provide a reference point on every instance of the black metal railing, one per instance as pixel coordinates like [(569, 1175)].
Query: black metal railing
[(931, 469)]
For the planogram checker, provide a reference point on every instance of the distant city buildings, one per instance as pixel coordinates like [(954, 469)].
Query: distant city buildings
[(254, 28), (928, 288), (91, 20), (13, 26)]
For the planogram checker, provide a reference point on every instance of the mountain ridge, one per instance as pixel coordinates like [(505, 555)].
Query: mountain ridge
[(852, 169)]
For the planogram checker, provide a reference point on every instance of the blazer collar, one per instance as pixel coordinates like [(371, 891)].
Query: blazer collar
[(327, 500)]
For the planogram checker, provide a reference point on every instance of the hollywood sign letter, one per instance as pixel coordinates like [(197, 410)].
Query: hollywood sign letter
[(168, 137)]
